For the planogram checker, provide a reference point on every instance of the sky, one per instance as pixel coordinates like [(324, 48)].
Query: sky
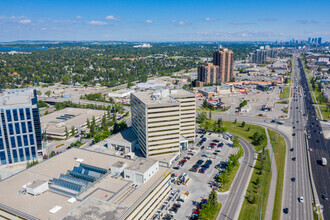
[(167, 20)]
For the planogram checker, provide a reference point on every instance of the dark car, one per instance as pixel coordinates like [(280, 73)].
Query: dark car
[(293, 179), (324, 196), (294, 134), (291, 149), (294, 158), (273, 121), (286, 210)]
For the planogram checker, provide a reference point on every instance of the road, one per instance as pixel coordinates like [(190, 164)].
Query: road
[(239, 185), (320, 148), (297, 168)]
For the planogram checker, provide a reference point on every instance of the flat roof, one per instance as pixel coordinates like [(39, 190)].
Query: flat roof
[(141, 165), (179, 93), (145, 97), (126, 135), (36, 183), (55, 123), (118, 164), (113, 197), (16, 97)]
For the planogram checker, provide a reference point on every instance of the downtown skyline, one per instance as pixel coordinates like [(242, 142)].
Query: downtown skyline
[(163, 21)]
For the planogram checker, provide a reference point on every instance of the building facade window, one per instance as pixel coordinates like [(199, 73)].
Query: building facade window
[(17, 129), (11, 129), (19, 141), (21, 114), (15, 114), (8, 113), (15, 156), (27, 153), (23, 127), (1, 144), (25, 139), (33, 152), (30, 126), (3, 157), (31, 139), (28, 113), (21, 154), (13, 142)]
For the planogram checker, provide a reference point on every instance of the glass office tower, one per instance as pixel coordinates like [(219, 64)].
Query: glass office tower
[(20, 130)]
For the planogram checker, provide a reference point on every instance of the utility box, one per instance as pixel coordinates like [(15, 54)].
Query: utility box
[(37, 187)]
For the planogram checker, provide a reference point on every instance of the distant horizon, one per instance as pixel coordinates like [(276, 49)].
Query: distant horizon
[(164, 21), (178, 41)]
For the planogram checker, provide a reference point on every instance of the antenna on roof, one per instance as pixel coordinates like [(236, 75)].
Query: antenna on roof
[(220, 46)]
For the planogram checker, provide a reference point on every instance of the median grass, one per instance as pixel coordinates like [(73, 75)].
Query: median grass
[(213, 111), (279, 149), (232, 174), (256, 197), (245, 132), (286, 92), (324, 112)]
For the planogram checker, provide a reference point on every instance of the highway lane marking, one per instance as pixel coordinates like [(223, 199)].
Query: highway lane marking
[(226, 214)]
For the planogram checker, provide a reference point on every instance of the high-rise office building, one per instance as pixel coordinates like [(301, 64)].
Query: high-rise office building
[(221, 71), (309, 40), (163, 120), (20, 132), (319, 40)]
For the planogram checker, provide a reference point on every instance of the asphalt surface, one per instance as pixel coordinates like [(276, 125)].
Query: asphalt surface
[(320, 148), (297, 168), (239, 185)]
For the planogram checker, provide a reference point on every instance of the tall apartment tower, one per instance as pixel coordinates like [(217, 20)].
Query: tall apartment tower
[(20, 132), (224, 58), (161, 119), (209, 73)]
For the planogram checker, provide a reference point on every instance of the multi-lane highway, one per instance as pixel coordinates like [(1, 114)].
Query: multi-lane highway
[(320, 147), (297, 182)]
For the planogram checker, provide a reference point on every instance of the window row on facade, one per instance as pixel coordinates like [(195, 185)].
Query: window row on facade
[(16, 114)]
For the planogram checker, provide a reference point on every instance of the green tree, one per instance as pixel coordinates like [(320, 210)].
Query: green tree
[(88, 123), (72, 131), (201, 117), (243, 124), (205, 104), (66, 132), (47, 93)]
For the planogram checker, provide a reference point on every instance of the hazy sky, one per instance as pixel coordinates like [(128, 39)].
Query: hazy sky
[(171, 20)]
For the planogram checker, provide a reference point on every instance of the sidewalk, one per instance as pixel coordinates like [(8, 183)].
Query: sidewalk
[(272, 190)]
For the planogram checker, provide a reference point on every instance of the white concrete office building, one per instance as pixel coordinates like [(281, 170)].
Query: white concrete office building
[(161, 118)]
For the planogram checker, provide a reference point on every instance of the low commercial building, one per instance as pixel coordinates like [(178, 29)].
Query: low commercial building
[(56, 123), (84, 184), (125, 141), (220, 91)]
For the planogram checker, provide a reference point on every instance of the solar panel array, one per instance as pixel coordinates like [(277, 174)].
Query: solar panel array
[(74, 180), (66, 184), (93, 168), (78, 179), (81, 176)]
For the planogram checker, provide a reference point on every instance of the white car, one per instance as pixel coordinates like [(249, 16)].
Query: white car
[(301, 199)]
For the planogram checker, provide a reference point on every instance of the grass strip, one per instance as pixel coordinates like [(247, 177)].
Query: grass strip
[(279, 149), (255, 202)]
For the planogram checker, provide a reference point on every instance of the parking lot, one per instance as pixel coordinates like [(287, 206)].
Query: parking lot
[(197, 184), (256, 99)]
